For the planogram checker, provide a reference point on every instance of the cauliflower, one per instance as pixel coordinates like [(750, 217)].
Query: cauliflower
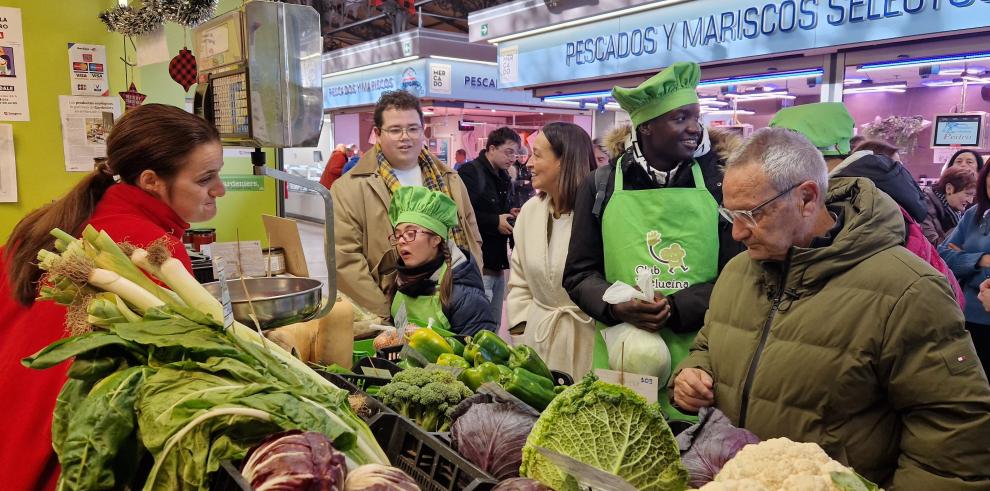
[(777, 465)]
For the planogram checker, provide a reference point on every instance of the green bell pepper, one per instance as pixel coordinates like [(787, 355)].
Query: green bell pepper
[(404, 364), (526, 357), (429, 344), (492, 347), (505, 374), (474, 377), (452, 360), (455, 345), (530, 388)]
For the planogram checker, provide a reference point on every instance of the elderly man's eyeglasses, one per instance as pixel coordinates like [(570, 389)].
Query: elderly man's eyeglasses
[(748, 217), (395, 132), (407, 236)]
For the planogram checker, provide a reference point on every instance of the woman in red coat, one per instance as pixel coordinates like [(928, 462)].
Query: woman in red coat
[(162, 171)]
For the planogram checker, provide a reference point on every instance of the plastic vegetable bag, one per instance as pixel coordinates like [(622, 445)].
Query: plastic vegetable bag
[(708, 445), (631, 349)]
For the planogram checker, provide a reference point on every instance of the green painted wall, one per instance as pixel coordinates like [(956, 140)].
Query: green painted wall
[(41, 175)]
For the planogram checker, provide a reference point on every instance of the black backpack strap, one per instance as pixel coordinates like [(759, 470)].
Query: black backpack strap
[(601, 187)]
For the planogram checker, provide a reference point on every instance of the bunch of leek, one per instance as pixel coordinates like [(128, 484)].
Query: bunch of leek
[(154, 368)]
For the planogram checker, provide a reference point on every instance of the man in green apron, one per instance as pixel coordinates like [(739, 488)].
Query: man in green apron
[(655, 209)]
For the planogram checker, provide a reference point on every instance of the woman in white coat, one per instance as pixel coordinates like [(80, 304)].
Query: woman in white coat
[(540, 312)]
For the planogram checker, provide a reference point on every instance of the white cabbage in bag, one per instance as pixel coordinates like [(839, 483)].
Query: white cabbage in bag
[(645, 352)]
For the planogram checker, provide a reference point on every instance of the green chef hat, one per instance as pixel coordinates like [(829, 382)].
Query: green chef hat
[(827, 124), (431, 210), (670, 89)]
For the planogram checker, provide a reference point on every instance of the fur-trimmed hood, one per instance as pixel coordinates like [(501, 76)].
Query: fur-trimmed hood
[(723, 142)]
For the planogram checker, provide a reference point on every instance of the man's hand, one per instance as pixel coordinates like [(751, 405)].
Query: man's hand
[(515, 212), (984, 261), (693, 390), (648, 316), (504, 227)]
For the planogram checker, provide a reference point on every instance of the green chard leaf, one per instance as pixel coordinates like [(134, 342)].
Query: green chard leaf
[(69, 398), (66, 348), (100, 426)]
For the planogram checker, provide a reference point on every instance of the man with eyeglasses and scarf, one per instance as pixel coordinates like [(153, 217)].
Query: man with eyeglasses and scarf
[(829, 331), (366, 261)]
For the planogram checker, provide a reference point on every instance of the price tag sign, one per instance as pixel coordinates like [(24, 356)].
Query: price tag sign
[(221, 275), (455, 371), (587, 477), (377, 372), (644, 385)]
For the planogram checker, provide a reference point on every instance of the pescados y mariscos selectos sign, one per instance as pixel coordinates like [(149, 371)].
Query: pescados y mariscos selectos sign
[(712, 30)]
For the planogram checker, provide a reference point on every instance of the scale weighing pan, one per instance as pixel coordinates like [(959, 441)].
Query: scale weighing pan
[(277, 301)]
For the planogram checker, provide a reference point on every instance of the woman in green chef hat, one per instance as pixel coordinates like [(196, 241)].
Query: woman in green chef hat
[(436, 279)]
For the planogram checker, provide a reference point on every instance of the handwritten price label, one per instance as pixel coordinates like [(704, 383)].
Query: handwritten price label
[(644, 385)]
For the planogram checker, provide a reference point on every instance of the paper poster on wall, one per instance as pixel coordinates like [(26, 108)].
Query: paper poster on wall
[(152, 48), (88, 70), (941, 155), (86, 123), (8, 166), (440, 78), (13, 75), (508, 64)]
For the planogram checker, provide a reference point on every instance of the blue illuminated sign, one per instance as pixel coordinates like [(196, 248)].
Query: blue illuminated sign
[(704, 31), (473, 82)]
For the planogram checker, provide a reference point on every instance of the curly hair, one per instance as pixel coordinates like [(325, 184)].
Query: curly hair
[(396, 99)]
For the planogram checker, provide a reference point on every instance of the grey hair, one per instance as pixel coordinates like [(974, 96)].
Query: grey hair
[(787, 157)]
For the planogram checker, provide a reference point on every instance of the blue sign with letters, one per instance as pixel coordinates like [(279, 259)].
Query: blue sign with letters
[(704, 31), (474, 82)]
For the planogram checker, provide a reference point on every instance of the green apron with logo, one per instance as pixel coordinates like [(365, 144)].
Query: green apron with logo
[(671, 232), (424, 307)]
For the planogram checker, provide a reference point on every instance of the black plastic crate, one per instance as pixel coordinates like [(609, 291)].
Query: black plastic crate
[(430, 462), (342, 382), (362, 381)]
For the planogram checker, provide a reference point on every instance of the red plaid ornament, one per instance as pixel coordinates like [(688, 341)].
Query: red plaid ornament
[(182, 68), (132, 98)]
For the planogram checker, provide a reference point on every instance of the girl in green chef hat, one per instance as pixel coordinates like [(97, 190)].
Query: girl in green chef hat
[(436, 279)]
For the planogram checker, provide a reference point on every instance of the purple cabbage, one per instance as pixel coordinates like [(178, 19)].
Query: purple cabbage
[(295, 460), (375, 477), (491, 436), (708, 445), (521, 484)]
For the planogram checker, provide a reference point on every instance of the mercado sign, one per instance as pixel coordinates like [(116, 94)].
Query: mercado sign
[(704, 31)]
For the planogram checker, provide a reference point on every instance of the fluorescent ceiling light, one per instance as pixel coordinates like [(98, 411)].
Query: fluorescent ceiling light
[(760, 96), (853, 81), (934, 60), (952, 72), (763, 77), (586, 20), (898, 87), (463, 60), (977, 80), (714, 103), (372, 66), (578, 96), (428, 113), (728, 112)]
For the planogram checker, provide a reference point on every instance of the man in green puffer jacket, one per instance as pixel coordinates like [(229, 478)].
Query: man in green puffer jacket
[(828, 331)]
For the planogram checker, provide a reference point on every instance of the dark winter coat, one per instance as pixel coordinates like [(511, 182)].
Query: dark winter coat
[(584, 272), (490, 191), (468, 309), (857, 346), (889, 176)]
